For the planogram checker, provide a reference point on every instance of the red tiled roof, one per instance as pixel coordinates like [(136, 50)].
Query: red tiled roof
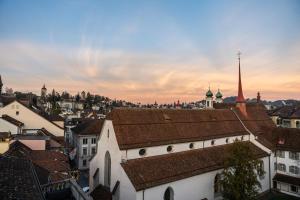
[(89, 127), (156, 170), (136, 128), (287, 179)]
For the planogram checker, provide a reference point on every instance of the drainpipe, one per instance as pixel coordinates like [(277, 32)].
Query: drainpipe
[(270, 171)]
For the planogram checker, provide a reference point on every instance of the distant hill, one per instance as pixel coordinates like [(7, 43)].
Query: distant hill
[(276, 103)]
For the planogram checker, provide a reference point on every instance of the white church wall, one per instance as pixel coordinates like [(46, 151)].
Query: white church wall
[(265, 180), (30, 119), (107, 142), (162, 149), (193, 188)]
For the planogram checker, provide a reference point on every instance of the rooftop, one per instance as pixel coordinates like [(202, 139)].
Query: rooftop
[(156, 170), (18, 179)]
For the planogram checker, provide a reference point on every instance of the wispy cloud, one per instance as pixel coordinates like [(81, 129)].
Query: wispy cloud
[(144, 77)]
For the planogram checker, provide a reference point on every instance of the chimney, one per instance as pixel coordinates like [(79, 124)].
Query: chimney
[(258, 97)]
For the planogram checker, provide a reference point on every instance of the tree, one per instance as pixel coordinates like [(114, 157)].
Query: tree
[(242, 168)]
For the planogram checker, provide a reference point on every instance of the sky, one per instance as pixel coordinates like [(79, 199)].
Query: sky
[(147, 51)]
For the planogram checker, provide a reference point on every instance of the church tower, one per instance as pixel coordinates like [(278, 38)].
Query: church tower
[(1, 85), (209, 99), (219, 97), (43, 91), (240, 100)]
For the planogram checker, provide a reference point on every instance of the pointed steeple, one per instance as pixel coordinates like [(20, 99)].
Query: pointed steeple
[(240, 98), (1, 85)]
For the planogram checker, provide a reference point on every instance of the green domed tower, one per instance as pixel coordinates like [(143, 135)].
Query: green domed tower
[(209, 99), (219, 97)]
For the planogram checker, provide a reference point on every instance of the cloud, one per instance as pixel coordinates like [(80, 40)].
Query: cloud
[(145, 76)]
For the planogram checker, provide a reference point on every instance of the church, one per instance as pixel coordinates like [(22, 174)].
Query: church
[(175, 154)]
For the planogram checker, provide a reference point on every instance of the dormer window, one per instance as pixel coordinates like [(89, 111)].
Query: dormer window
[(191, 145), (169, 148), (142, 152), (213, 142)]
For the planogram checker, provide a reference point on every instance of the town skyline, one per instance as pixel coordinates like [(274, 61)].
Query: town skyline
[(151, 51)]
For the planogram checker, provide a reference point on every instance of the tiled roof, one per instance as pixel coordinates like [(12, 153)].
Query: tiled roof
[(89, 127), (52, 161), (18, 179), (136, 128), (287, 179), (12, 120), (156, 170), (286, 139), (288, 112), (102, 193)]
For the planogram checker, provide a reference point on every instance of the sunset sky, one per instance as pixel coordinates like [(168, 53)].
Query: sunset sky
[(146, 51)]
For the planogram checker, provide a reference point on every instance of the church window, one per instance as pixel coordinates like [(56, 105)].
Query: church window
[(107, 133), (217, 185), (227, 140), (142, 152), (169, 148), (169, 194), (261, 166), (242, 138), (213, 142), (191, 145), (17, 112)]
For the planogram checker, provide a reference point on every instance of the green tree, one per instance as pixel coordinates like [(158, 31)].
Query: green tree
[(240, 176)]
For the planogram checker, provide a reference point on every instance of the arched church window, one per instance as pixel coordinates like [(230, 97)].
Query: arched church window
[(217, 185), (169, 194), (227, 140), (213, 142), (107, 169)]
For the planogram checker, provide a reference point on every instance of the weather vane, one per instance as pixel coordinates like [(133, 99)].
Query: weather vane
[(239, 54)]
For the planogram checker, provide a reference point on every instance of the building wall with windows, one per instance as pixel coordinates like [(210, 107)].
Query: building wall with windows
[(86, 147), (30, 119), (287, 163)]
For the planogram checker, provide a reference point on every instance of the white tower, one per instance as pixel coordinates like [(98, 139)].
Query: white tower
[(209, 99), (219, 97)]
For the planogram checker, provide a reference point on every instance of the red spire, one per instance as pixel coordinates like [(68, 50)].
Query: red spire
[(240, 98)]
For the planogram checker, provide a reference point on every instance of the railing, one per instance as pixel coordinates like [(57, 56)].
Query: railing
[(70, 184)]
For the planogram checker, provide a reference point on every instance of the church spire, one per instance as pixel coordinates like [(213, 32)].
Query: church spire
[(1, 85), (240, 98)]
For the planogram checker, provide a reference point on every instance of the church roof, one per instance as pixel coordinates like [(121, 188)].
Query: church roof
[(157, 170), (219, 94), (209, 93), (137, 128)]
